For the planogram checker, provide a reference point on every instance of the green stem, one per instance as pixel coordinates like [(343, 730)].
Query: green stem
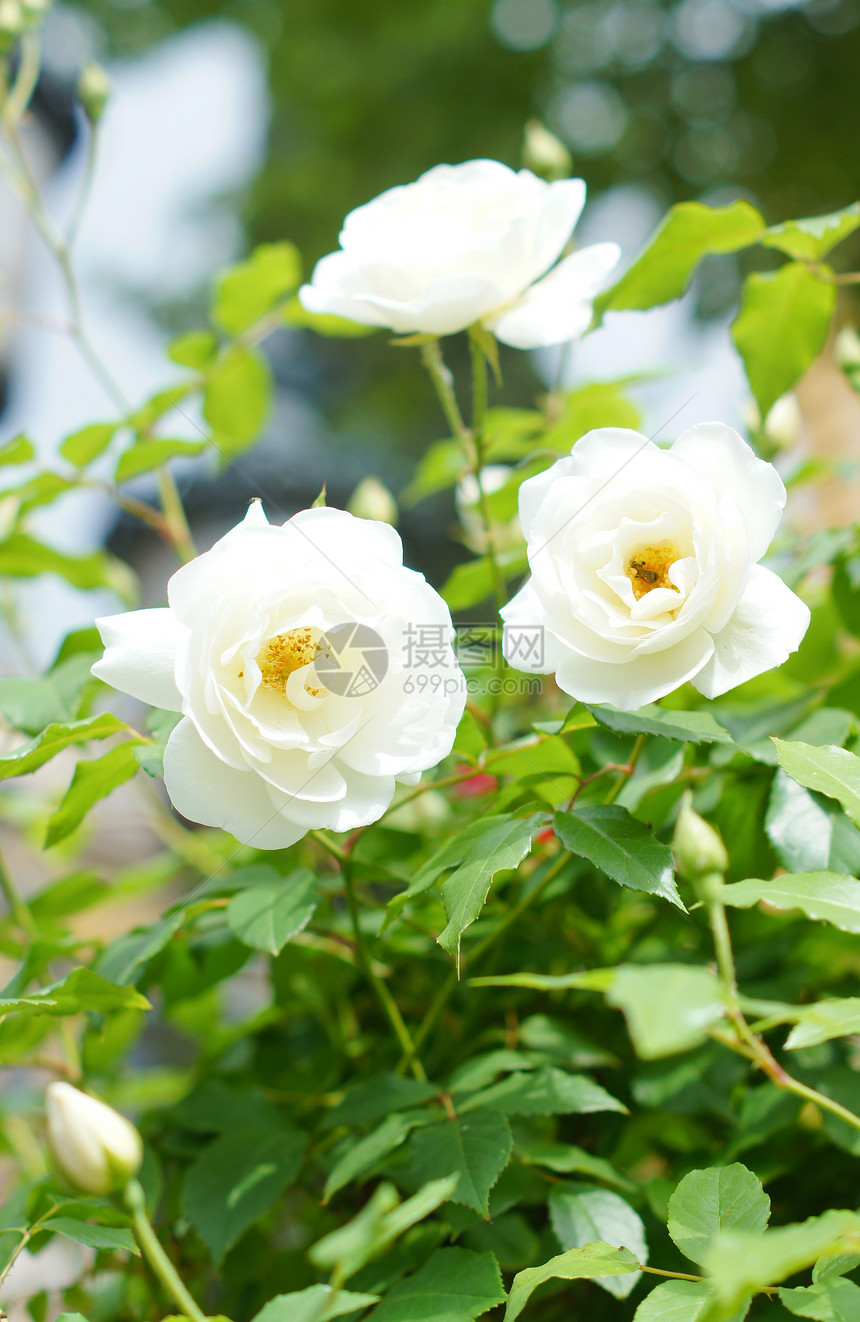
[(746, 1043), (155, 1255), (25, 80), (479, 413), (18, 907), (174, 513), (674, 1276), (446, 991), (383, 995), (443, 383)]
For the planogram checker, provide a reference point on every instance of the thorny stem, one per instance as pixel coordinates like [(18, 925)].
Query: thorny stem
[(479, 949), (745, 1042), (155, 1255), (443, 383), (379, 986)]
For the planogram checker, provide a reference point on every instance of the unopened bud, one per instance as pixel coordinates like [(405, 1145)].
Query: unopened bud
[(372, 500), (846, 349), (544, 153), (697, 847), (94, 88), (784, 421), (11, 20), (95, 1147)]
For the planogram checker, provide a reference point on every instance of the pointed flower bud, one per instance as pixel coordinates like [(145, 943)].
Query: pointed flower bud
[(94, 88), (544, 153), (95, 1147), (697, 846), (372, 500)]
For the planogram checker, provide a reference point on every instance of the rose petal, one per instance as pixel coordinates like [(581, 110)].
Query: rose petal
[(719, 454), (559, 307), (205, 789), (630, 684), (140, 655), (768, 624)]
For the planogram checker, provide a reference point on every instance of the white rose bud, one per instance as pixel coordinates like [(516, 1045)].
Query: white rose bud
[(645, 568), (697, 846), (372, 500), (544, 153), (96, 1148), (94, 88), (846, 349), (466, 244)]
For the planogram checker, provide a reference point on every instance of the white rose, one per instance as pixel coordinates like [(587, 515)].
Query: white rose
[(644, 570), (96, 1148), (463, 244), (295, 655)]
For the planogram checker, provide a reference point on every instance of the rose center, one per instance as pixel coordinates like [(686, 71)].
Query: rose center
[(649, 568), (284, 653)]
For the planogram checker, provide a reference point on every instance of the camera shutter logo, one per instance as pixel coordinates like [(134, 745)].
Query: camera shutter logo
[(352, 661)]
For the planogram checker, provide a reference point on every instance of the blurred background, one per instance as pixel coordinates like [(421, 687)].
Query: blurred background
[(240, 122)]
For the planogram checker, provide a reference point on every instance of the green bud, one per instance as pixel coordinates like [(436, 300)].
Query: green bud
[(846, 349), (698, 849), (544, 153), (372, 500), (94, 88)]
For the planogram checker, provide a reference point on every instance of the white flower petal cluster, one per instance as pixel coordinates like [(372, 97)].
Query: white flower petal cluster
[(96, 1148), (644, 568), (476, 242), (288, 651)]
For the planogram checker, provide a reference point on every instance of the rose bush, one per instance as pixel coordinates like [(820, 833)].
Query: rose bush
[(464, 244), (644, 568), (292, 718)]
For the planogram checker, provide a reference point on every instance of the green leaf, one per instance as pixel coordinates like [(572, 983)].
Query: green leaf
[(740, 1262), (159, 405), (566, 1159), (812, 238), (93, 1237), (503, 845), (825, 896), (31, 703), (581, 1215), (622, 847), (836, 1300), (19, 450), (324, 323), (91, 782), (83, 446), (54, 739), (318, 1303), (236, 1179), (267, 917), (834, 1264), (196, 348), (366, 1102), (440, 467), (681, 1301), (592, 1262), (781, 327), (547, 1091), (708, 1201), (476, 1147), (364, 1153), (22, 556), (689, 232), (453, 1285), (799, 829), (236, 399), (668, 1007), (827, 769), (382, 1219), (473, 582), (147, 455), (824, 1020), (81, 990), (695, 727), (249, 290)]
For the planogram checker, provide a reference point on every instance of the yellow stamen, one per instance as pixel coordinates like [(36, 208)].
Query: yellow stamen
[(649, 568), (285, 653)]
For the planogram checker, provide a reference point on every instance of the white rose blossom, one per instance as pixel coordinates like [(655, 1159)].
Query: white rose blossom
[(644, 568), (469, 243), (291, 653)]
